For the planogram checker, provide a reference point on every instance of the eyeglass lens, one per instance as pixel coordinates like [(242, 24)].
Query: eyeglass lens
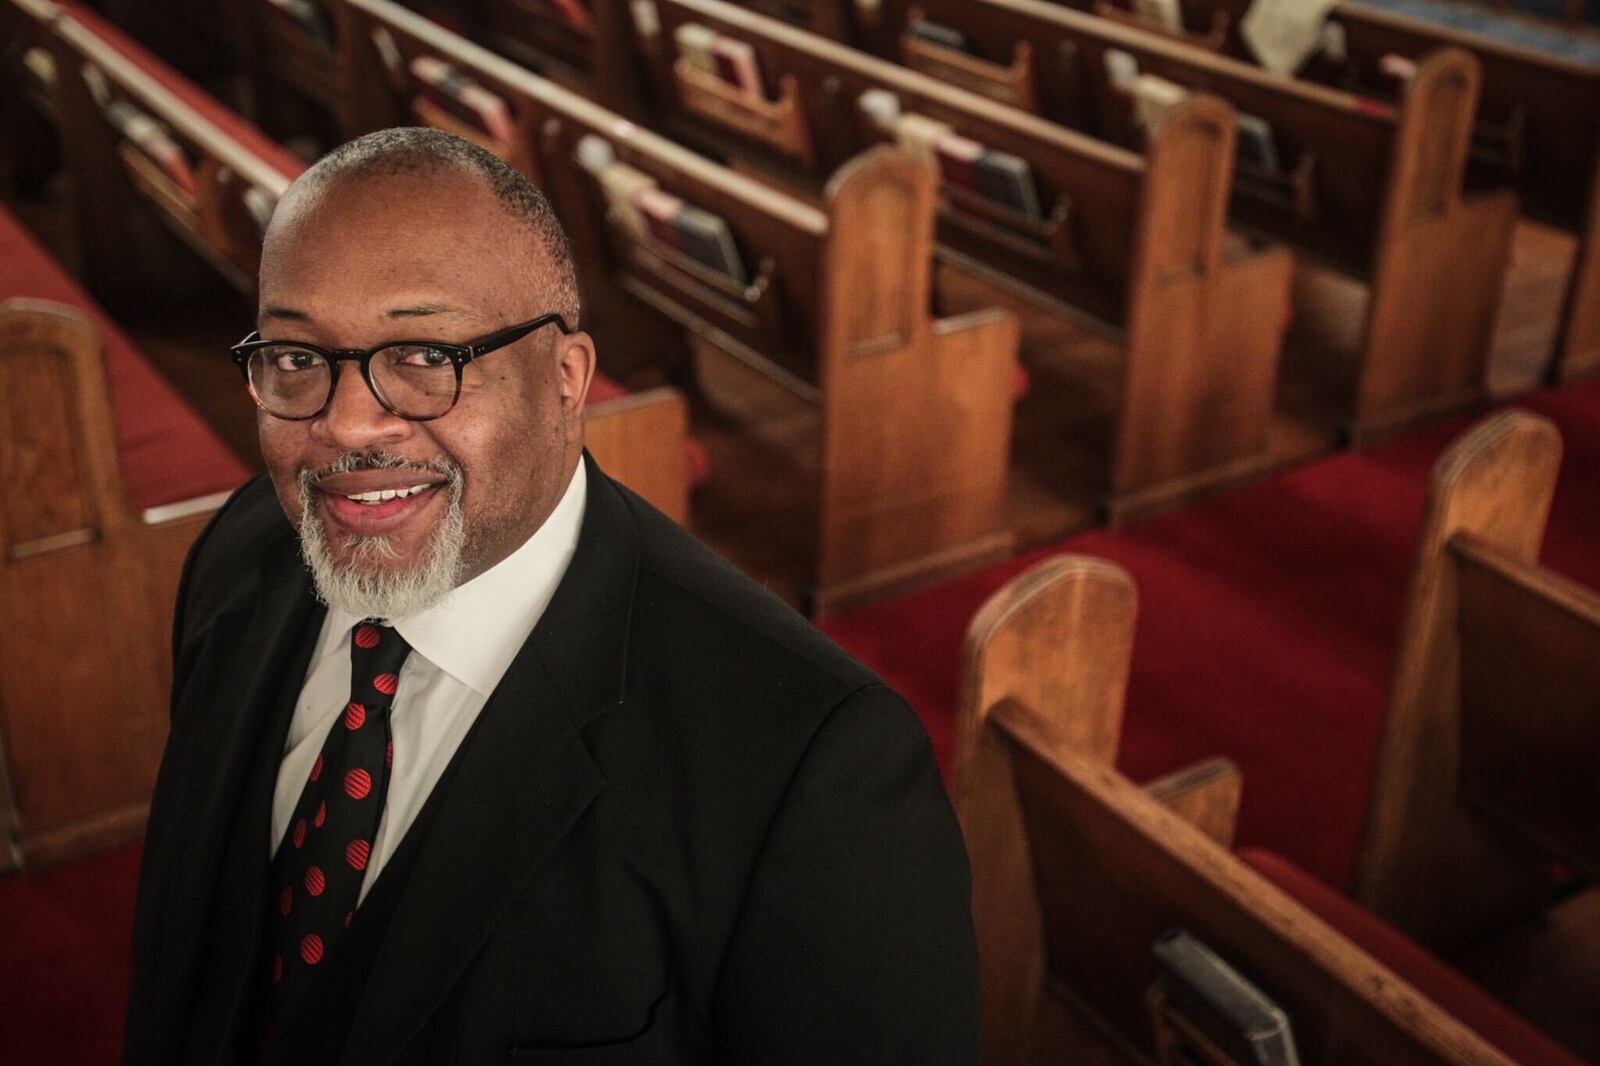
[(414, 381)]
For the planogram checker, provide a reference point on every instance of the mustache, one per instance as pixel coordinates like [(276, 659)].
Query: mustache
[(377, 459)]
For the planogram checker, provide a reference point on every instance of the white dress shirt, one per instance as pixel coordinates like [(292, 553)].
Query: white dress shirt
[(459, 651)]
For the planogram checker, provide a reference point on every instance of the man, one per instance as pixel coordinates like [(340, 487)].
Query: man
[(509, 768)]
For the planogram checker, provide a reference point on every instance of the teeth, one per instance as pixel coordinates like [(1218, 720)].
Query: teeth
[(382, 495)]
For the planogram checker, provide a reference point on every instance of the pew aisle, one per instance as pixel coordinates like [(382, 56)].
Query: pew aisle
[(1266, 632)]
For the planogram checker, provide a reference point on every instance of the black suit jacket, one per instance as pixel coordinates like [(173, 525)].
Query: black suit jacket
[(686, 828)]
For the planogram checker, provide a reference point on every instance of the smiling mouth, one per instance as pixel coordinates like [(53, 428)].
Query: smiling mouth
[(385, 495)]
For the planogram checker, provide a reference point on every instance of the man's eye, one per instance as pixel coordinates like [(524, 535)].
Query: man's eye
[(420, 356), (296, 360)]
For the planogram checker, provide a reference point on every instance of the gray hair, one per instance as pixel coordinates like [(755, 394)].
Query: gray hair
[(418, 150)]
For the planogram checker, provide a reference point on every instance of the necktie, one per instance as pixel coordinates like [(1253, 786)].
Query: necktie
[(317, 872)]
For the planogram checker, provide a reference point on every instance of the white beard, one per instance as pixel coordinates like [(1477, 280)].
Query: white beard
[(366, 584)]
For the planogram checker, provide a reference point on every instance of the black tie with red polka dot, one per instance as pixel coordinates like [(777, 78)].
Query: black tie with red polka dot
[(317, 873)]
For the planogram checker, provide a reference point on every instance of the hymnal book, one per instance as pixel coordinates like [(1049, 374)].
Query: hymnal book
[(881, 106), (260, 203), (464, 98), (621, 186), (919, 136), (706, 239), (1398, 67), (1257, 145), (573, 13), (154, 142), (694, 46), (1007, 179), (940, 34), (1162, 12), (958, 161), (1122, 70), (660, 210), (1233, 1014), (309, 17), (1154, 97), (736, 64)]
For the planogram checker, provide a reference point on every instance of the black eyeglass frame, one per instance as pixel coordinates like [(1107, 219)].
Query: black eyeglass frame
[(460, 355)]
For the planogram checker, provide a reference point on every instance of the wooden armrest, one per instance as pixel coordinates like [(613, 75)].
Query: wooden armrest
[(1206, 795)]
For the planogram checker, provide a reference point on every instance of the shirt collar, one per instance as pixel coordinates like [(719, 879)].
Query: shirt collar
[(476, 630)]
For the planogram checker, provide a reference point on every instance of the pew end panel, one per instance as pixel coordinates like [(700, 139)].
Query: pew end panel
[(1204, 330), (640, 439), (1421, 850), (1439, 263), (84, 582), (1121, 869), (1060, 636), (916, 415)]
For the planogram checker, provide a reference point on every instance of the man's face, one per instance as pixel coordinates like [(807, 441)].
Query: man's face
[(419, 257)]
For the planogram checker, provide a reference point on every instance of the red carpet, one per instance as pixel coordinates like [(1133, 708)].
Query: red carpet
[(1266, 633), (1266, 630), (64, 962)]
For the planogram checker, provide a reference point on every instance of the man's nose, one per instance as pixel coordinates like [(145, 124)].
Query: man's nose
[(354, 420)]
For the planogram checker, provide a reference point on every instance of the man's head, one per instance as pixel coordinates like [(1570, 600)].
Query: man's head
[(414, 235)]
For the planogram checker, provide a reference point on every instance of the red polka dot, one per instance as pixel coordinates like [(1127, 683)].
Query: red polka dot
[(367, 637), (357, 853), (286, 901), (299, 832), (277, 969), (388, 754), (348, 915), (357, 783), (386, 683), (315, 882), (311, 949), (316, 769), (322, 815), (355, 716)]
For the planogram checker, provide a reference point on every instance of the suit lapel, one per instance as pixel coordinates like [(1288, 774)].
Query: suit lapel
[(221, 867), (521, 779)]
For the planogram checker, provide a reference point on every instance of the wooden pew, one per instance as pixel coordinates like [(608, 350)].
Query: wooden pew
[(1137, 242), (214, 196), (915, 412), (1486, 767), (1077, 871), (642, 440), (1372, 190), (1538, 130), (116, 482)]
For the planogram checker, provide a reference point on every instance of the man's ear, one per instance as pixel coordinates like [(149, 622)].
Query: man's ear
[(574, 372)]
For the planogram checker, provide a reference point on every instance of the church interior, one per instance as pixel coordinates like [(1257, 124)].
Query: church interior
[(1192, 407)]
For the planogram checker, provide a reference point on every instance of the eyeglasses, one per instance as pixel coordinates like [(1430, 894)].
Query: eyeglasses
[(416, 380)]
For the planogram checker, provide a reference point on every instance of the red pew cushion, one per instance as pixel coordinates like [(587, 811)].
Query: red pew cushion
[(224, 118), (697, 461), (167, 454), (1475, 1008)]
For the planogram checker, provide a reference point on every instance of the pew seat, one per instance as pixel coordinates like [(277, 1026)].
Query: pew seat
[(1475, 1008), (641, 439)]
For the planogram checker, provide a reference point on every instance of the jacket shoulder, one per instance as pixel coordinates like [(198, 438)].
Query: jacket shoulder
[(223, 565)]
